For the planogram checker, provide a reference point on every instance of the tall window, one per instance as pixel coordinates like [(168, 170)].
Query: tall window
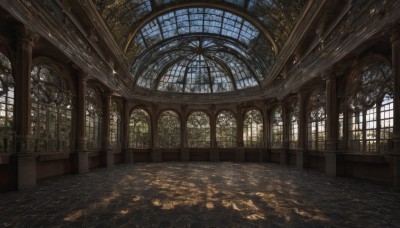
[(341, 129), (253, 129), (115, 125), (6, 105), (169, 130), (198, 130), (369, 99), (226, 130), (277, 128), (139, 129), (316, 120), (51, 110), (93, 118), (293, 125)]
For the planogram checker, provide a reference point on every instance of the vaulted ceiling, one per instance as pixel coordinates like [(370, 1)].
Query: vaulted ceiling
[(205, 51), (200, 46)]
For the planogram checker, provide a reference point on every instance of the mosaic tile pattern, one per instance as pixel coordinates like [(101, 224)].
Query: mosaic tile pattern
[(201, 195)]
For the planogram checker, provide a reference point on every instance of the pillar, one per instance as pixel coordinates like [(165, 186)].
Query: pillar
[(214, 153), (82, 153), (185, 153), (267, 132), (26, 159), (301, 156), (331, 124), (240, 152), (395, 40), (128, 154), (285, 134), (156, 155), (107, 153)]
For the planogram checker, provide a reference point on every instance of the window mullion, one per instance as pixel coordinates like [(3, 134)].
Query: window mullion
[(364, 131)]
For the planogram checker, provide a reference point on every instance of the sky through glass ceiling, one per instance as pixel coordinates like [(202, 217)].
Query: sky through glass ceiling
[(189, 49)]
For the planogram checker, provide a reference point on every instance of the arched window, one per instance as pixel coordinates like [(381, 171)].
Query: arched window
[(139, 129), (293, 118), (51, 110), (115, 125), (253, 129), (169, 130), (277, 128), (226, 130), (6, 105), (198, 130), (316, 120), (369, 99), (93, 118)]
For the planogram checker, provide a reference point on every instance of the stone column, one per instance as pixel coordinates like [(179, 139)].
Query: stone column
[(267, 132), (331, 124), (156, 155), (285, 134), (214, 153), (108, 154), (301, 158), (125, 132), (185, 153), (26, 160), (83, 159), (395, 40), (240, 153)]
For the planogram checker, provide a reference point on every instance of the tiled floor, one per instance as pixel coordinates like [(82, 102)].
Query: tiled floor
[(201, 195)]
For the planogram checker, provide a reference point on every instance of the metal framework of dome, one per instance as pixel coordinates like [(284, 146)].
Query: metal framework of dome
[(200, 47)]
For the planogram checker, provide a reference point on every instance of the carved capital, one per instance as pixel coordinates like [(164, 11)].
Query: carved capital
[(108, 94), (395, 32), (26, 35), (328, 75), (83, 77)]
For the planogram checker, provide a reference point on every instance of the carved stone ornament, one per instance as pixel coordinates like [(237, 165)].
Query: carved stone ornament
[(395, 32), (27, 35)]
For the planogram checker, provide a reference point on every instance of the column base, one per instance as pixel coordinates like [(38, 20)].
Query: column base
[(185, 154), (128, 155), (284, 157), (83, 162), (263, 155), (300, 160), (396, 171), (26, 172), (214, 155), (331, 164), (156, 155), (240, 154), (108, 158)]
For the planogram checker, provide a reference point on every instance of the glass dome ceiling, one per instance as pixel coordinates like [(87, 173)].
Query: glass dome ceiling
[(198, 64), (200, 47), (200, 50)]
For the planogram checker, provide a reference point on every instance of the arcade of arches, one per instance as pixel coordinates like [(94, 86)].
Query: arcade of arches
[(95, 83)]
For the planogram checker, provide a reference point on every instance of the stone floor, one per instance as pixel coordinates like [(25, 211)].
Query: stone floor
[(201, 195)]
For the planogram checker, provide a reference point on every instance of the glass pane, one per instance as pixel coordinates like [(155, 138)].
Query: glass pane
[(139, 129), (253, 129), (115, 125), (198, 130), (93, 119), (6, 105), (169, 130), (277, 128), (51, 110), (226, 130)]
